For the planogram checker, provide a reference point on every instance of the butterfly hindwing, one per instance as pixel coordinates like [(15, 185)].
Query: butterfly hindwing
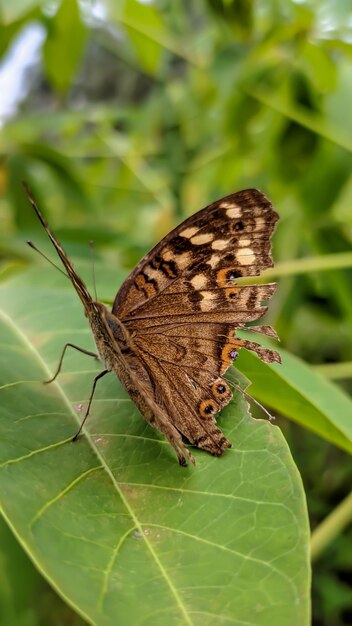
[(179, 392)]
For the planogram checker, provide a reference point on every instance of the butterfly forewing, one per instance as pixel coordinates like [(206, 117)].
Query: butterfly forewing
[(227, 239)]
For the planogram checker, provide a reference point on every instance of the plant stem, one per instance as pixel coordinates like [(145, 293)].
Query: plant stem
[(306, 265), (331, 527), (335, 370)]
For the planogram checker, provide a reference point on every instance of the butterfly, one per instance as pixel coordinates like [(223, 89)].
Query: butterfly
[(171, 334)]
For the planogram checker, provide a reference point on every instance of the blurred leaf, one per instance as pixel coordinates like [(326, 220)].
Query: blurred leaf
[(145, 18), (316, 123), (13, 10), (21, 168), (64, 46), (144, 23), (320, 66), (9, 32), (299, 392), (237, 13), (113, 518)]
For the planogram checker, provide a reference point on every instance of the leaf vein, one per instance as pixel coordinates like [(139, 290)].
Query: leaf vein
[(62, 493)]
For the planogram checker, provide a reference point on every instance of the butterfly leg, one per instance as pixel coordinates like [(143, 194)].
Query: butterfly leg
[(69, 345), (89, 402), (158, 421)]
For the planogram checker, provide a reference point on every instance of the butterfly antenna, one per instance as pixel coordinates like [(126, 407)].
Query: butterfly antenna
[(249, 398), (78, 284), (91, 248), (31, 245)]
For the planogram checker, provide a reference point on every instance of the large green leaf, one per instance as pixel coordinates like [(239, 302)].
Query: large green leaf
[(25, 598), (119, 529), (301, 393)]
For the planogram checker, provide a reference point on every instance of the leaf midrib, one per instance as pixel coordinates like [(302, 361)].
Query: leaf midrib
[(105, 467)]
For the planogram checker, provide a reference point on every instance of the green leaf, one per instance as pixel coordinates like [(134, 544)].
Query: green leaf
[(25, 598), (117, 527), (16, 9), (144, 17), (301, 393), (303, 116), (10, 32), (64, 45), (65, 170), (320, 66), (148, 33)]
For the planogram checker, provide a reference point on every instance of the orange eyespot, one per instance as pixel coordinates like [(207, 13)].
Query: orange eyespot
[(207, 408), (230, 353), (231, 293), (226, 276), (219, 389), (233, 274), (221, 277)]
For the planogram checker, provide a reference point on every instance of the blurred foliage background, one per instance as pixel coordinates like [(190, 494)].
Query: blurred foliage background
[(125, 117)]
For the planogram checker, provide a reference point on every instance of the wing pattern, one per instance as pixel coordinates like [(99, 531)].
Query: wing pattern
[(182, 305)]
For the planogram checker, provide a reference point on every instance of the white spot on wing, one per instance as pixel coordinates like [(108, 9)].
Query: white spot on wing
[(219, 244), (199, 281), (167, 254), (152, 273), (245, 256), (206, 304), (183, 260), (213, 261), (189, 232), (198, 240), (233, 212)]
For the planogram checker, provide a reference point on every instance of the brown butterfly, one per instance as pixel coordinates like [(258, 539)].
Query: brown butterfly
[(170, 336)]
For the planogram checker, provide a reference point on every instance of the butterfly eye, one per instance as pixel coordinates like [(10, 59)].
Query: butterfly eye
[(112, 324), (239, 226)]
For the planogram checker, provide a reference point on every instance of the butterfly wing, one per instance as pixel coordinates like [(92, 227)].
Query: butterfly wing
[(225, 240), (182, 306)]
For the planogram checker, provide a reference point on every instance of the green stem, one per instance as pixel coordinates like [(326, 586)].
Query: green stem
[(306, 265), (335, 370), (331, 527)]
